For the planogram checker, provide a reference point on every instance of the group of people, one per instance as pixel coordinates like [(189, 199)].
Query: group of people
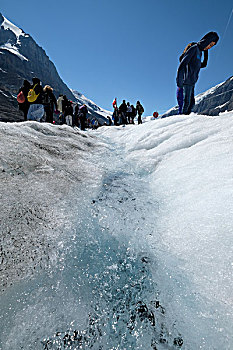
[(40, 104), (187, 76), (126, 112)]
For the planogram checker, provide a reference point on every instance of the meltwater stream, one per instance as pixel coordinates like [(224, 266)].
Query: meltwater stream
[(101, 294)]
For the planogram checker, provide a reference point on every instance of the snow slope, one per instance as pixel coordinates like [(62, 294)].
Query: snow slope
[(106, 220), (9, 25), (91, 105), (13, 48), (189, 164), (40, 166)]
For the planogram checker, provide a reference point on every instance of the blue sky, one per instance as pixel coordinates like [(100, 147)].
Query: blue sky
[(126, 48)]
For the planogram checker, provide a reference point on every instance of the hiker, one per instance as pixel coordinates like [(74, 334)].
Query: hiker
[(83, 115), (59, 103), (50, 103), (68, 113), (122, 112), (22, 98), (133, 114), (115, 116), (179, 91), (76, 121), (129, 112), (188, 70), (114, 104), (65, 103), (35, 97), (61, 118), (140, 111)]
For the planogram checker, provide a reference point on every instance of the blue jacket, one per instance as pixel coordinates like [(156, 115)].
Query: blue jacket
[(190, 65)]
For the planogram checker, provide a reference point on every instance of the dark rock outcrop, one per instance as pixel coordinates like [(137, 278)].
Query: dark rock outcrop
[(212, 102)]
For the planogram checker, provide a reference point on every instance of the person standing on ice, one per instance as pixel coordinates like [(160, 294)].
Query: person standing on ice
[(23, 103), (179, 92), (129, 113), (189, 68), (35, 97), (140, 111), (59, 103), (123, 111), (83, 111), (49, 102)]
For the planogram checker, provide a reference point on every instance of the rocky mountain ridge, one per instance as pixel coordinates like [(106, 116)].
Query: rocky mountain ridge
[(216, 100), (22, 58)]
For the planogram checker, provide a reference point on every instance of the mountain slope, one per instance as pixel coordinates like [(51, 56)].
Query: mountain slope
[(213, 101), (22, 58), (96, 111)]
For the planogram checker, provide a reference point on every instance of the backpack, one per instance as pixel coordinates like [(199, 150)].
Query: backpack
[(20, 97), (32, 95), (140, 109), (185, 50)]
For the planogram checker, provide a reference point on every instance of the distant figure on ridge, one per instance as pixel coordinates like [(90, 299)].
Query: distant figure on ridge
[(188, 70), (123, 111), (59, 103), (50, 103), (129, 113), (69, 113), (76, 120), (83, 116), (133, 114), (115, 116), (140, 111)]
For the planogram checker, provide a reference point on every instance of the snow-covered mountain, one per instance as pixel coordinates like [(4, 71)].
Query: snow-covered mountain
[(216, 100), (22, 58), (96, 111)]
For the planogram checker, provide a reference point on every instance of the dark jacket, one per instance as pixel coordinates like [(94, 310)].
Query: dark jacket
[(76, 110), (49, 100), (134, 112), (123, 107), (139, 109), (191, 64), (68, 109), (65, 103), (83, 111)]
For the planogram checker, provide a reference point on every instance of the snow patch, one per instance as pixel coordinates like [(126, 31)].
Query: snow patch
[(202, 95), (9, 25), (84, 100), (13, 49), (3, 93), (188, 162), (221, 105)]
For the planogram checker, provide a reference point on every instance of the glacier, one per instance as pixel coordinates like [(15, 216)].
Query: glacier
[(119, 238)]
